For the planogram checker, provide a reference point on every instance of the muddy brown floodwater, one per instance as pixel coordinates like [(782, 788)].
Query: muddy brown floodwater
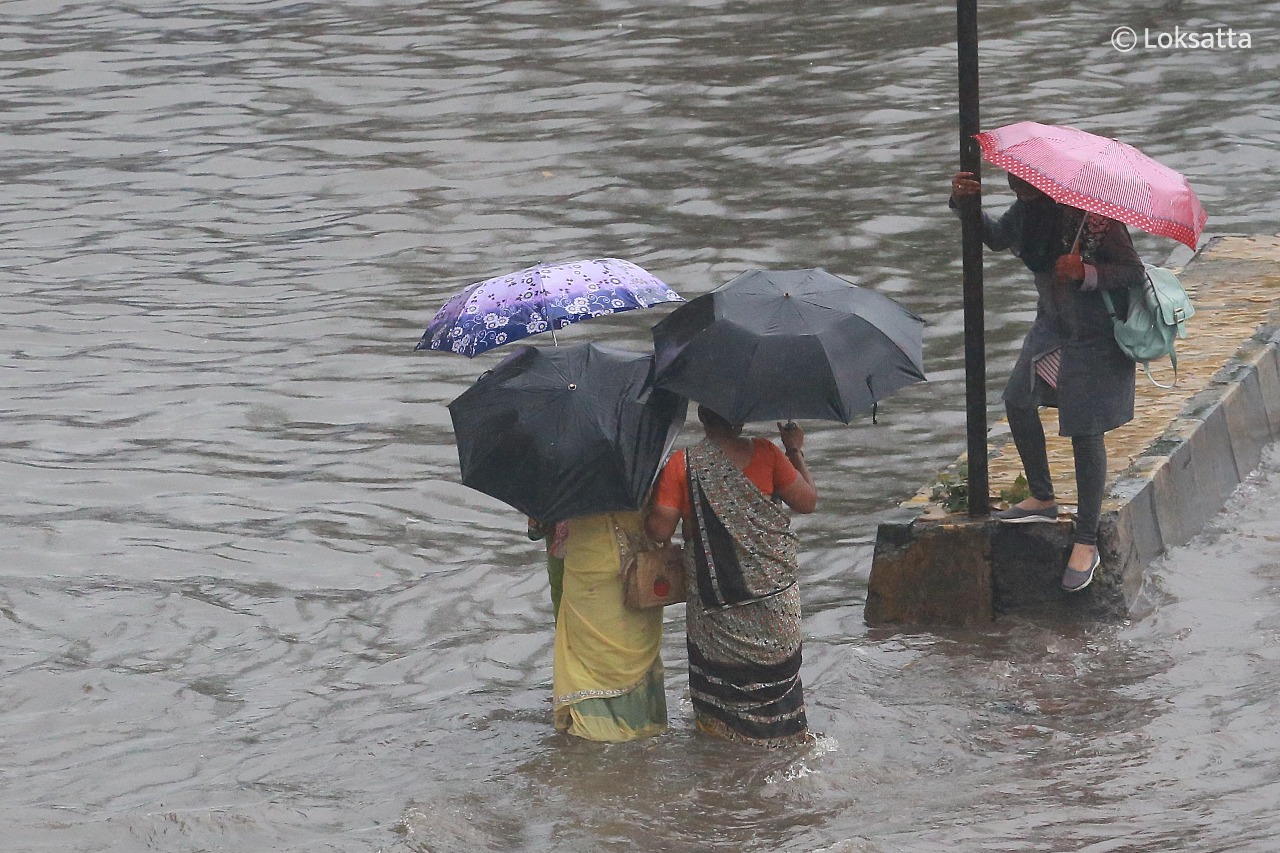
[(246, 604)]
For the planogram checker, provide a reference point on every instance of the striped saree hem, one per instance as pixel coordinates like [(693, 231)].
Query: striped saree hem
[(760, 703)]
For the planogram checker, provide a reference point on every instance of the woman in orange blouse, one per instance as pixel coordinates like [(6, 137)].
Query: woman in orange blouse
[(743, 613)]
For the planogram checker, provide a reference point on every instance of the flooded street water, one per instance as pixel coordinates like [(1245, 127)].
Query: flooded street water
[(246, 604)]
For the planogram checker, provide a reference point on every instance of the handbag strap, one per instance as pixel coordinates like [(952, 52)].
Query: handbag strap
[(1111, 307)]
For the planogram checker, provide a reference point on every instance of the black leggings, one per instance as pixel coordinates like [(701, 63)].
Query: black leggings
[(1091, 468)]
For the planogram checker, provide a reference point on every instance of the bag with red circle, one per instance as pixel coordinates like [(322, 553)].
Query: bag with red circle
[(653, 576)]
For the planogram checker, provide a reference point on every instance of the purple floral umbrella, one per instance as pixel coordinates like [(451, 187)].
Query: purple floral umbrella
[(545, 297)]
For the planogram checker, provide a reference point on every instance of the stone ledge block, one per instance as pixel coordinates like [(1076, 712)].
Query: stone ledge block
[(931, 574)]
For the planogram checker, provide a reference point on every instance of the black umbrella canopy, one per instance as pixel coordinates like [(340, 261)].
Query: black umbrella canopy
[(566, 431), (781, 344)]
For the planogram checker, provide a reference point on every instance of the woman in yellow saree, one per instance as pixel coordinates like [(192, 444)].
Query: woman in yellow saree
[(608, 677)]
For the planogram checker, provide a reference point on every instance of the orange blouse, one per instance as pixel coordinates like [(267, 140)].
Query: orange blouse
[(769, 469)]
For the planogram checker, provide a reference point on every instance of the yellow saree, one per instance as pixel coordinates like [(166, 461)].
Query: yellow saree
[(608, 679)]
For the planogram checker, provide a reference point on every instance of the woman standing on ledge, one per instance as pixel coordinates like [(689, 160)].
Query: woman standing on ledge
[(743, 612), (1070, 358)]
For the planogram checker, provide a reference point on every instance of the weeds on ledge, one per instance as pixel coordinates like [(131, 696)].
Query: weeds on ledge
[(1017, 493), (951, 493)]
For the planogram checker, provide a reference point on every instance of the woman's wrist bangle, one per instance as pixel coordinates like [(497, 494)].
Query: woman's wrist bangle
[(795, 450)]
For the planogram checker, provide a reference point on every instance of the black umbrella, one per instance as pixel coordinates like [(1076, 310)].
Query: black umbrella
[(781, 344), (566, 431)]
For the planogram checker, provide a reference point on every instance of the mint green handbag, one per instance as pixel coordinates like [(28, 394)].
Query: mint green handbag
[(1158, 312)]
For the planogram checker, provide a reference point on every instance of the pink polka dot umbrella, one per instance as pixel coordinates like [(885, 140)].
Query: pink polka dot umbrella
[(1099, 175)]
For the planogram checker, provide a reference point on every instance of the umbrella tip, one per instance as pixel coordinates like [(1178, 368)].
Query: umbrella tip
[(573, 386)]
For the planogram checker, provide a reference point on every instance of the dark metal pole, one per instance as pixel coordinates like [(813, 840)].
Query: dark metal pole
[(975, 358)]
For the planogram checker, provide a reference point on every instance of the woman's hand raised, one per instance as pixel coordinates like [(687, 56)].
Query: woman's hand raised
[(792, 436), (1068, 269), (965, 185), (801, 494)]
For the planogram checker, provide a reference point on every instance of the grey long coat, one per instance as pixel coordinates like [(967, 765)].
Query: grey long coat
[(1095, 379)]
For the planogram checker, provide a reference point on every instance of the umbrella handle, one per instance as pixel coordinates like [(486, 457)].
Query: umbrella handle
[(546, 295), (1075, 247)]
